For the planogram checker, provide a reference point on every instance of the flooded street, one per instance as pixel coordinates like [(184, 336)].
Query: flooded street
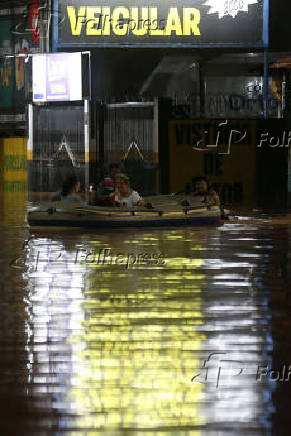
[(159, 113), (144, 332)]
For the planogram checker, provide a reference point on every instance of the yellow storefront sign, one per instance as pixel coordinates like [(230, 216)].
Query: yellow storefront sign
[(122, 21), (13, 180), (14, 165), (208, 148)]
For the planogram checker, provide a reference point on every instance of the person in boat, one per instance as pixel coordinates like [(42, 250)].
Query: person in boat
[(124, 195), (212, 197), (202, 193), (105, 187), (69, 191), (205, 191)]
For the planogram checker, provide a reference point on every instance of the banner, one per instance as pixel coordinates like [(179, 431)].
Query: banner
[(160, 23)]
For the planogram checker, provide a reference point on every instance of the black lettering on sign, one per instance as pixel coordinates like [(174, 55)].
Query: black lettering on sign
[(213, 165), (218, 162), (187, 135), (179, 130), (208, 165), (196, 135), (237, 103), (229, 192), (237, 192)]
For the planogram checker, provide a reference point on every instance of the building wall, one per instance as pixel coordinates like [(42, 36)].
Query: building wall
[(16, 38)]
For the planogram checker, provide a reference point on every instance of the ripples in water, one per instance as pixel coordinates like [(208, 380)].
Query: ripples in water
[(173, 343)]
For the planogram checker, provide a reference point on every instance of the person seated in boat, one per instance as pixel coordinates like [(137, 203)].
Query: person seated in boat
[(105, 187), (124, 195), (212, 197), (69, 191), (202, 193)]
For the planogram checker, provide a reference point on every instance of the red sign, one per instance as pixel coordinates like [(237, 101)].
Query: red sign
[(34, 20)]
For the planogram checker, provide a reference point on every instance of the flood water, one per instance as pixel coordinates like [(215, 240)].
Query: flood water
[(168, 332)]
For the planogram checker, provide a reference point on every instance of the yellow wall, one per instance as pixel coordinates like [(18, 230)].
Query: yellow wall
[(235, 173)]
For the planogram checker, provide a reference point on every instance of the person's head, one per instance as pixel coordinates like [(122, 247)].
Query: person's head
[(200, 185), (70, 186), (114, 169), (122, 184)]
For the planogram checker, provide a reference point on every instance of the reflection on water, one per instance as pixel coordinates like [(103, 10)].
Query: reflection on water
[(131, 342), (171, 347)]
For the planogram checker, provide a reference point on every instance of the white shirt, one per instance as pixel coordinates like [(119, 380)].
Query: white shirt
[(131, 200)]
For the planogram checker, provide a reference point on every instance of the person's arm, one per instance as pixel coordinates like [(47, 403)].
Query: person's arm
[(215, 200), (113, 198), (74, 198), (142, 202), (137, 200), (213, 197)]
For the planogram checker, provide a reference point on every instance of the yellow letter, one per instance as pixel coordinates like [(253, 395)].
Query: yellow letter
[(139, 28), (191, 18), (106, 21), (173, 22), (155, 23), (119, 27), (76, 22), (92, 20)]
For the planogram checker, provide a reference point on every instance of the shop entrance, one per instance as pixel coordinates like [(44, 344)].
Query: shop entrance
[(57, 142), (127, 133)]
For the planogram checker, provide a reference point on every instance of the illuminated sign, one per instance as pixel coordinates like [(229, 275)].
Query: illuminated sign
[(229, 7), (57, 77), (158, 23)]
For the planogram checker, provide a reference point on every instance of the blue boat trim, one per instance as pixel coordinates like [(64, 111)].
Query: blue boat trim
[(117, 224)]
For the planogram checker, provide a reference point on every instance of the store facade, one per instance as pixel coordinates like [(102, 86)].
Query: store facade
[(148, 70)]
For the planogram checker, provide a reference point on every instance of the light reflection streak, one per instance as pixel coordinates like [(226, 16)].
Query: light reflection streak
[(242, 340), (141, 367), (117, 348), (55, 297), (131, 353)]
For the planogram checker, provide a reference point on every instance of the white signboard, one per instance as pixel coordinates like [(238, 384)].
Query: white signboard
[(57, 77)]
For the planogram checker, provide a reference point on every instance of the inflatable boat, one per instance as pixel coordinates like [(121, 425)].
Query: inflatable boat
[(74, 215)]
